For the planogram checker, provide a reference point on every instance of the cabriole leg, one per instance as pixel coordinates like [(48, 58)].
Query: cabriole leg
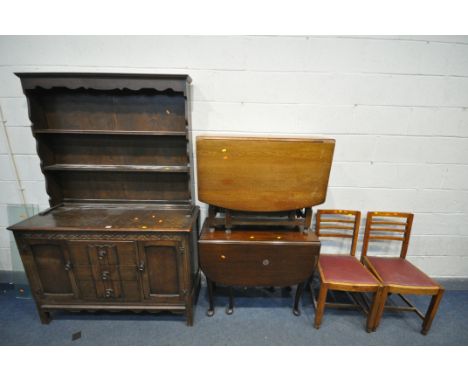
[(210, 312), (297, 298), (230, 308)]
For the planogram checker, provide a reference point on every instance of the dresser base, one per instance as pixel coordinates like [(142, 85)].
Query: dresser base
[(45, 310)]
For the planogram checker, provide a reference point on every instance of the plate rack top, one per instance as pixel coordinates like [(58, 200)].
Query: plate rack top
[(112, 138)]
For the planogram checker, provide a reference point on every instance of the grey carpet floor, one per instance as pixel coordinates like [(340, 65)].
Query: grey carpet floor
[(260, 317)]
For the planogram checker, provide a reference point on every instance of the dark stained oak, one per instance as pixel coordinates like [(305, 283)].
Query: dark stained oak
[(128, 150), (257, 257), (121, 231), (258, 236), (105, 81), (260, 264), (112, 217), (111, 138)]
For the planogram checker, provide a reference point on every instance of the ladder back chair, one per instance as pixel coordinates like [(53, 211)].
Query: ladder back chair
[(343, 272), (398, 275)]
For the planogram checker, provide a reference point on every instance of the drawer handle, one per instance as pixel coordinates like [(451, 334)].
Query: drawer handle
[(266, 262), (68, 266), (105, 275), (141, 267), (222, 257), (101, 254), (109, 293)]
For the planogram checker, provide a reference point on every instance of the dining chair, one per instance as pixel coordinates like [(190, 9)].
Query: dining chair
[(397, 274), (343, 272)]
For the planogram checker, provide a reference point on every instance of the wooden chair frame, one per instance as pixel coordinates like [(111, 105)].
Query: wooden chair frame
[(345, 224), (382, 233)]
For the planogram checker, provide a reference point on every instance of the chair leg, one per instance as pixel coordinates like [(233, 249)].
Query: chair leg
[(374, 310), (381, 306), (320, 305), (431, 311)]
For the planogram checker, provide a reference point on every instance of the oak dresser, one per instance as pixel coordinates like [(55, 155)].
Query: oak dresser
[(121, 230)]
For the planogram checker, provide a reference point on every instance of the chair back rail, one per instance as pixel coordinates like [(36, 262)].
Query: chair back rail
[(339, 220), (395, 226)]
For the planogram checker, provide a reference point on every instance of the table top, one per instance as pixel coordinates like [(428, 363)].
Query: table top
[(263, 174)]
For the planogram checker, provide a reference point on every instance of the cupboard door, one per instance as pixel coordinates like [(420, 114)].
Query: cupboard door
[(50, 270), (161, 266)]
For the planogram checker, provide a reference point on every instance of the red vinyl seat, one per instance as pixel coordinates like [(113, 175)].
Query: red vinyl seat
[(345, 269), (398, 271)]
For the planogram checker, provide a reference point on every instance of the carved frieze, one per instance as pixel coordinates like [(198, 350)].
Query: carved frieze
[(100, 236)]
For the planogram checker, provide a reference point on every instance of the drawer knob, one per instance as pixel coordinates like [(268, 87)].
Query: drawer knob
[(141, 267), (109, 293), (266, 262), (223, 257), (68, 266), (105, 275), (101, 253)]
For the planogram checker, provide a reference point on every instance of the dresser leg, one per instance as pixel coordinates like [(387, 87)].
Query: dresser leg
[(45, 317), (189, 315), (300, 288), (189, 303), (230, 308), (210, 312)]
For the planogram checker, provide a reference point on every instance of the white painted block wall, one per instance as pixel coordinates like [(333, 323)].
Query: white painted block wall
[(396, 105)]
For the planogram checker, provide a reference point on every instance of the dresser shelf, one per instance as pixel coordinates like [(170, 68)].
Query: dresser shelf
[(115, 168), (110, 132)]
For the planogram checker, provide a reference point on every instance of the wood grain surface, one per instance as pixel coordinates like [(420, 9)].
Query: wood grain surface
[(263, 174)]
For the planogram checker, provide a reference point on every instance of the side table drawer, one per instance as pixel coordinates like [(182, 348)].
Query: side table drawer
[(258, 264)]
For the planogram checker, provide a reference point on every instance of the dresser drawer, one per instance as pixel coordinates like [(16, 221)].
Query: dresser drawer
[(258, 264), (102, 253)]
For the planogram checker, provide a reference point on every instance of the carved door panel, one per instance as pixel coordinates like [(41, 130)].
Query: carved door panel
[(50, 270), (161, 263)]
